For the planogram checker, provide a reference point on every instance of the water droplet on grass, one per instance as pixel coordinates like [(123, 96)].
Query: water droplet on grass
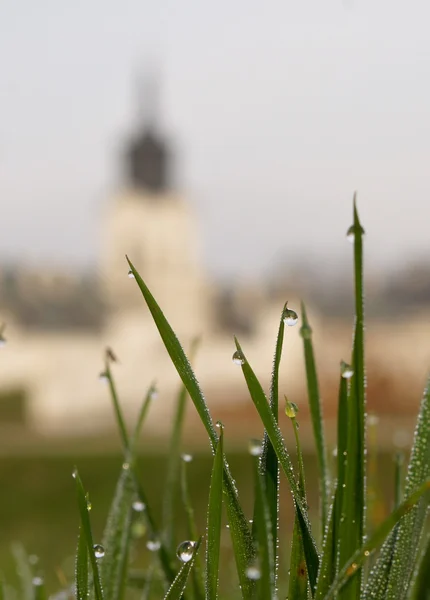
[(138, 506), (253, 573), (290, 317), (237, 358), (153, 545), (255, 448), (125, 466), (130, 274), (346, 370), (185, 551), (291, 409), (99, 551), (103, 377), (37, 581), (187, 457)]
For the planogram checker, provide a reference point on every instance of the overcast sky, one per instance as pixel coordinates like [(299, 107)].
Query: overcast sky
[(279, 110)]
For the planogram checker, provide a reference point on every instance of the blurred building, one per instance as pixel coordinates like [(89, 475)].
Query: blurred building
[(58, 324)]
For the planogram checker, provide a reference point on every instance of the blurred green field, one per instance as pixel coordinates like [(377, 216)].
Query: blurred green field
[(38, 504)]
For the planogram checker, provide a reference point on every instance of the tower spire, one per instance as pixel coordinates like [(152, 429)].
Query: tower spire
[(147, 154)]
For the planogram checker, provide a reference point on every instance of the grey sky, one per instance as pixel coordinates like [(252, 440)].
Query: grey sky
[(279, 110)]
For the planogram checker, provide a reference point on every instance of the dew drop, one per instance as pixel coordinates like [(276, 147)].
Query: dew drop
[(291, 409), (366, 553), (237, 358), (255, 448), (125, 466), (75, 473), (346, 370), (37, 581), (99, 551), (290, 317), (185, 550), (219, 424), (187, 457), (153, 394), (253, 573), (153, 545), (103, 377), (334, 453), (130, 274), (138, 506), (350, 234), (2, 341)]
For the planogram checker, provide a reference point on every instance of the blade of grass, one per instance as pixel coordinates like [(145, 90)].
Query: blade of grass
[(342, 452), (81, 568), (39, 592), (173, 461), (24, 570), (266, 583), (275, 435), (213, 542), (298, 581), (354, 487), (177, 588), (411, 528), (316, 415), (269, 464), (241, 535), (327, 570), (421, 589), (87, 533), (354, 563), (198, 586)]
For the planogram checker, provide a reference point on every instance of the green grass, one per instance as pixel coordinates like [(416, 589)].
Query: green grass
[(340, 558)]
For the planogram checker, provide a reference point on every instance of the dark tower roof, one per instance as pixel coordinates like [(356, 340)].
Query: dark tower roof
[(147, 154)]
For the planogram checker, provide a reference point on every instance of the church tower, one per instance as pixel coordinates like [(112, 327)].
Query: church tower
[(152, 223)]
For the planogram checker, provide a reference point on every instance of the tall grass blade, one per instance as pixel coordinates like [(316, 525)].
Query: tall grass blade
[(24, 570), (354, 487), (173, 462), (87, 534), (150, 394), (411, 528), (275, 435), (327, 568), (178, 586), (39, 592), (265, 566), (342, 453), (213, 542), (115, 401), (421, 589), (241, 534), (316, 414), (298, 581), (269, 464), (197, 578), (354, 563), (117, 535), (81, 568)]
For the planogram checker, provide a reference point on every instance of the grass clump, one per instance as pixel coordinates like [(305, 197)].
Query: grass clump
[(348, 564)]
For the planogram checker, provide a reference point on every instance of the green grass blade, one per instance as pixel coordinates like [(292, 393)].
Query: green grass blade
[(213, 543), (298, 581), (269, 464), (173, 462), (266, 583), (354, 487), (411, 528), (327, 568), (24, 570), (152, 390), (316, 414), (81, 568), (87, 533), (198, 585), (275, 435), (241, 534), (115, 401), (39, 592), (178, 586), (354, 563), (421, 589), (117, 535), (342, 453)]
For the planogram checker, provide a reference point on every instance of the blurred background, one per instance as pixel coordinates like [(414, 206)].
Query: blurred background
[(218, 145)]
